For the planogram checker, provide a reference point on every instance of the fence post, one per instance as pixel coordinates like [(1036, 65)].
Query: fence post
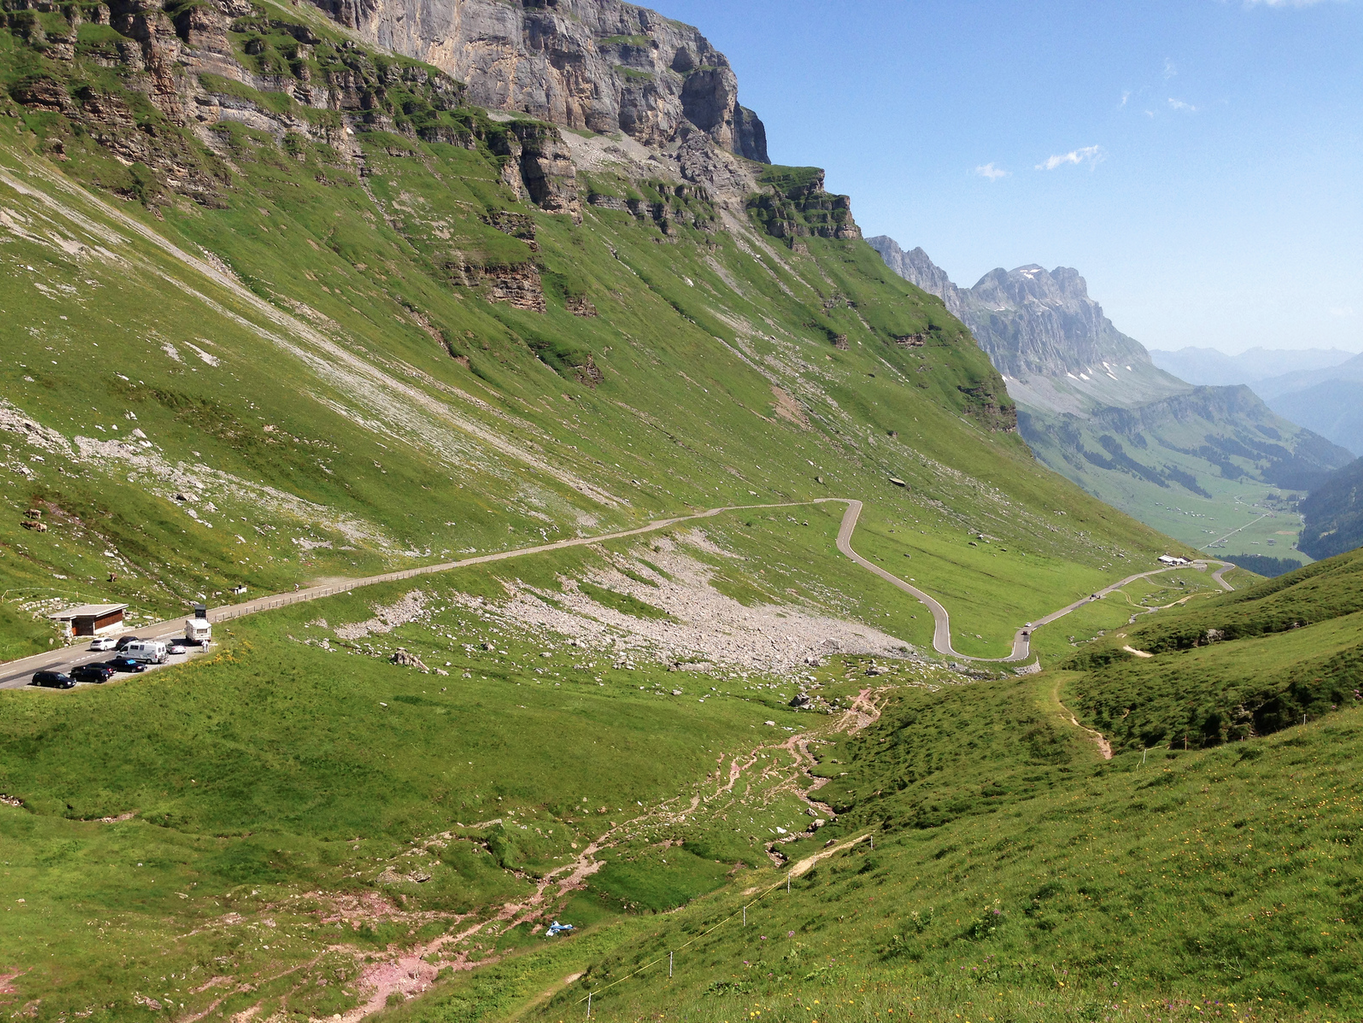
[(589, 1005), (669, 966)]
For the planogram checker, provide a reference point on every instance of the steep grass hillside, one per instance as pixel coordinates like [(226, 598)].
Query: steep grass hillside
[(288, 343), (1333, 520), (1013, 876), (597, 734)]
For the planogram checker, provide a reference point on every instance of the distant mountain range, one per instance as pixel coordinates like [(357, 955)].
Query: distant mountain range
[(1321, 389), (1212, 465), (1209, 366)]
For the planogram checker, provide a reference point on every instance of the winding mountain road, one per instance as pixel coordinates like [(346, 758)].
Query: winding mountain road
[(15, 674), (1022, 639)]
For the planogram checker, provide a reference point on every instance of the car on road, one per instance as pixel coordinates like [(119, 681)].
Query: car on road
[(102, 643), (123, 642), (53, 680), (174, 649), (125, 664), (96, 673)]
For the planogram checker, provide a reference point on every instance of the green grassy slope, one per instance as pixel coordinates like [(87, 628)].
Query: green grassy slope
[(221, 819), (1239, 665), (1043, 887), (312, 336)]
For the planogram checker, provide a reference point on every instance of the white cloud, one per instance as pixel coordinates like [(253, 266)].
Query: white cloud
[(1170, 70), (1126, 95), (991, 172), (1089, 154), (1342, 311), (1282, 3), (1178, 104)]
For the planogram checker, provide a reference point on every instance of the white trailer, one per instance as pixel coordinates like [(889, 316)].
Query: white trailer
[(198, 630)]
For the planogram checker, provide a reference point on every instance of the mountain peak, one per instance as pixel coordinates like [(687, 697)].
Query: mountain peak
[(1043, 332)]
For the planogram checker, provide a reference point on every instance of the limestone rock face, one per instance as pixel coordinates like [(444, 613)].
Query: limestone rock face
[(797, 206), (1044, 322), (1035, 322), (601, 65)]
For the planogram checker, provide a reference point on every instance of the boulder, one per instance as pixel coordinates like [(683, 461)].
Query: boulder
[(407, 659)]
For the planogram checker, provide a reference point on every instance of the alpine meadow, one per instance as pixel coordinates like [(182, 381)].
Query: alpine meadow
[(431, 352)]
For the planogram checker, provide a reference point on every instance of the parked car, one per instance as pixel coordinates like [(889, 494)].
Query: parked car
[(53, 680), (97, 673), (125, 664), (174, 648), (123, 642), (102, 643)]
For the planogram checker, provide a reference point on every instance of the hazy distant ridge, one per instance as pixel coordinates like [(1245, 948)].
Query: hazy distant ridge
[(1320, 389)]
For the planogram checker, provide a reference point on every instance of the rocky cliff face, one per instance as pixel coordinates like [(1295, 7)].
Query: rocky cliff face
[(1043, 332), (794, 205), (601, 65), (1031, 321)]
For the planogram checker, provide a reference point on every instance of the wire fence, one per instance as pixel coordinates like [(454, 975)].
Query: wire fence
[(741, 911)]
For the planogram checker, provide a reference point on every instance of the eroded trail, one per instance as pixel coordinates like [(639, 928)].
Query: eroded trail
[(1099, 740), (767, 772)]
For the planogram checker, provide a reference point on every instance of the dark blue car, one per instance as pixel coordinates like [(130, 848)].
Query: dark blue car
[(53, 680)]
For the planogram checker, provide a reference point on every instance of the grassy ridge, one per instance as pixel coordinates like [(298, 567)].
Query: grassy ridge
[(1239, 665)]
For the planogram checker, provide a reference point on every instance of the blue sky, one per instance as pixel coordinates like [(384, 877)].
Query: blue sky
[(1200, 162)]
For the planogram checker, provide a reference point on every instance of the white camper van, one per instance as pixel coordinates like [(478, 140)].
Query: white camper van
[(148, 651), (198, 630)]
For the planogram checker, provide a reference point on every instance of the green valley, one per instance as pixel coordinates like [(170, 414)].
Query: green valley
[(296, 295)]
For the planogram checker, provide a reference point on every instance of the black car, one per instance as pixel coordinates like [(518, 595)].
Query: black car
[(124, 664), (92, 673), (53, 680), (123, 642)]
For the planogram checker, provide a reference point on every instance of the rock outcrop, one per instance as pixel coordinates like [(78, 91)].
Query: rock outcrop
[(795, 205), (600, 65), (1037, 321), (1053, 344)]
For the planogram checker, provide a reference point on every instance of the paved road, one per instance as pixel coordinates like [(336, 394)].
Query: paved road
[(1222, 539), (1022, 639), (941, 632), (14, 674)]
